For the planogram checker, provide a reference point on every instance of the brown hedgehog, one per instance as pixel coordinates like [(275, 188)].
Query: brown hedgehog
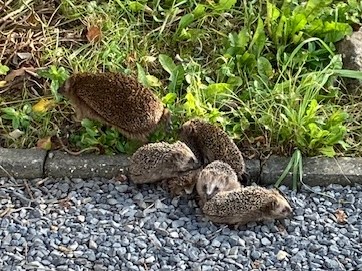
[(216, 177), (183, 184), (117, 100), (210, 143), (248, 204), (159, 161)]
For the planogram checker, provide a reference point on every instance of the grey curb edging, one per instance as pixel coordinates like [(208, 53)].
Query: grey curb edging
[(34, 163)]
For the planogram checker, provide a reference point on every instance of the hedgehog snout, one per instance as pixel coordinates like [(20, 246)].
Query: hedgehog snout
[(287, 211)]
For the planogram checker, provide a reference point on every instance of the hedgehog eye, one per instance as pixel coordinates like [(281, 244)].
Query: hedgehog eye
[(204, 187), (216, 189)]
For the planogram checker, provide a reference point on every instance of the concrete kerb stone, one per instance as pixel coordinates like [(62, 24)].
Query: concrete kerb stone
[(320, 171), (34, 163), (19, 163), (59, 164)]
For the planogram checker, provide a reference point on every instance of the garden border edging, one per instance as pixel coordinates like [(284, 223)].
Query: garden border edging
[(35, 163)]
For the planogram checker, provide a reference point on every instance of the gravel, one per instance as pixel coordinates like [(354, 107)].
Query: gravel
[(107, 225)]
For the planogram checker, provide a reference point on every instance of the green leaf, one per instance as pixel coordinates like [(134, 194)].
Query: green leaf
[(153, 81), (4, 69), (142, 75), (264, 67), (328, 151), (185, 21), (217, 89), (167, 63), (272, 12), (10, 111), (225, 5), (169, 98), (258, 41), (199, 11), (136, 6)]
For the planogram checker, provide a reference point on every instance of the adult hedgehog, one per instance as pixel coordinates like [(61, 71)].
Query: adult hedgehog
[(118, 100)]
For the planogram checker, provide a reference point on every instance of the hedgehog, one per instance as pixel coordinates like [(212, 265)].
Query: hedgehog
[(210, 143), (216, 177), (159, 161), (182, 184), (248, 204), (117, 100)]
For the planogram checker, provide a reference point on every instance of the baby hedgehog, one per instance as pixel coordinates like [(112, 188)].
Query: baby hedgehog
[(158, 161), (214, 178), (211, 143), (248, 204), (117, 100), (182, 184)]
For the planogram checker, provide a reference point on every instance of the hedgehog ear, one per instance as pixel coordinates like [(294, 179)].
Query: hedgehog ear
[(272, 204)]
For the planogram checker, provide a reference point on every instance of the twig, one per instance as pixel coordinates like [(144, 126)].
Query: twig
[(75, 153), (16, 12), (28, 189), (7, 173)]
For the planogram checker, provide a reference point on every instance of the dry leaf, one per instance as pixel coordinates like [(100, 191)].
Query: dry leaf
[(93, 34), (341, 216), (16, 134), (43, 105), (44, 143), (2, 84), (19, 72), (24, 55)]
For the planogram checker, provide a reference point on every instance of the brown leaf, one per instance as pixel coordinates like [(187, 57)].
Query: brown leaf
[(44, 143), (341, 216), (93, 34), (19, 72)]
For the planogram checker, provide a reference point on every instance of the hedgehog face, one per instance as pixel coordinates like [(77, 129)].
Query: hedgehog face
[(211, 183), (280, 207), (183, 158)]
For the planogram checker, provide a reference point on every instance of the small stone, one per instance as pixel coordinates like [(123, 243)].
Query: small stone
[(174, 235), (112, 201), (255, 255), (215, 243), (265, 241), (282, 255), (64, 187), (81, 218), (150, 259), (90, 255), (128, 228), (92, 244)]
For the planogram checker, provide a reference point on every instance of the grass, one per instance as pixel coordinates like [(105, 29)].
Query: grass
[(266, 71)]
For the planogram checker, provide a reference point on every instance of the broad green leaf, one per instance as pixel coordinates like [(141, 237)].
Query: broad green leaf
[(297, 23), (264, 67), (199, 11), (169, 98), (313, 8), (4, 69), (176, 78), (258, 41), (272, 12), (153, 81), (167, 63), (225, 5), (217, 88), (328, 151), (185, 21), (142, 75), (136, 6)]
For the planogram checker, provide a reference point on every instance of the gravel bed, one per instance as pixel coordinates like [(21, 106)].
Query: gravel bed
[(108, 225)]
